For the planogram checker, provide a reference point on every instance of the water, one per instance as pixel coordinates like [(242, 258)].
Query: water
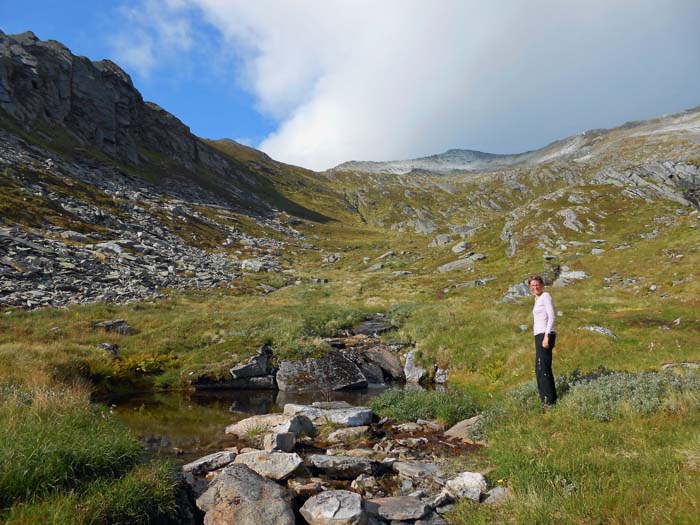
[(187, 425)]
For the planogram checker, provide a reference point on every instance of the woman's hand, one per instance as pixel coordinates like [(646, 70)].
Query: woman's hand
[(545, 341)]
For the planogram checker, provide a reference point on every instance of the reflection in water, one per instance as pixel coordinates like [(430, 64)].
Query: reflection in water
[(187, 425)]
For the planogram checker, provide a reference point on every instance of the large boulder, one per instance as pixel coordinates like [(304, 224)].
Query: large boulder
[(386, 360), (333, 371), (241, 496), (334, 507), (208, 463), (272, 465), (347, 417)]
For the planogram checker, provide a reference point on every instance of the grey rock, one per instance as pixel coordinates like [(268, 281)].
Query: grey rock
[(498, 495), (334, 507), (386, 360), (334, 371), (241, 496), (258, 365), (275, 423), (460, 264), (599, 330), (365, 484), (412, 372), (397, 508), (119, 326), (343, 467), (465, 428), (374, 267), (344, 435), (440, 240), (348, 417), (416, 470), (279, 442), (467, 485), (441, 376), (567, 278), (461, 247), (373, 326), (272, 465), (208, 463)]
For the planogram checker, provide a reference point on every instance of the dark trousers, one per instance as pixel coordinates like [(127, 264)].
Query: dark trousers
[(543, 369)]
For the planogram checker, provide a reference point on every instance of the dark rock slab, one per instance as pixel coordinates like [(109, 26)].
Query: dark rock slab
[(373, 326), (258, 365), (333, 371), (118, 326)]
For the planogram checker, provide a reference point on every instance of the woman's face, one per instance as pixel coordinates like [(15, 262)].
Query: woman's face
[(536, 287)]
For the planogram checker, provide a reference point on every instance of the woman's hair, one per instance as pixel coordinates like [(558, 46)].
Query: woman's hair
[(535, 278)]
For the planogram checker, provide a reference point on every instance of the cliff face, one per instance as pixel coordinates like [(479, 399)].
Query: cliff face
[(42, 82)]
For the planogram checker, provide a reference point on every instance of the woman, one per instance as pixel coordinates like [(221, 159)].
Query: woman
[(543, 313)]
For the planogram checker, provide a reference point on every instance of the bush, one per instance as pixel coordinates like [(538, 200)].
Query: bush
[(408, 405)]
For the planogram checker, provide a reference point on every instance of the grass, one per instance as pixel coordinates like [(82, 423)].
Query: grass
[(448, 407)]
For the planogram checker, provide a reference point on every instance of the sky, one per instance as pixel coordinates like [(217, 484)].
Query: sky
[(316, 83)]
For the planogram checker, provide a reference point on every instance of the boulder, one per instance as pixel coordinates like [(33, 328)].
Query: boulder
[(241, 496), (386, 360), (498, 495), (440, 240), (461, 247), (467, 485), (208, 463), (333, 371), (279, 442), (272, 465), (343, 467), (275, 423), (460, 264), (334, 507), (258, 365), (397, 508), (347, 417), (413, 372), (415, 470), (464, 429)]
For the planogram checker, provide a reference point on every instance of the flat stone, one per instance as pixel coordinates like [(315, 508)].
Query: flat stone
[(208, 463), (272, 465), (348, 417), (242, 496), (347, 434), (397, 508), (460, 264), (275, 423), (462, 430), (334, 507), (118, 326), (416, 470), (467, 485), (372, 327), (343, 467), (334, 371)]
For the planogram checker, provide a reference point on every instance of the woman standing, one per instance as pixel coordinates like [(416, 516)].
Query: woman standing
[(543, 313)]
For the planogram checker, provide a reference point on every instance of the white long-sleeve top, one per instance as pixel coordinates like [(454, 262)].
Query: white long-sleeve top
[(543, 313)]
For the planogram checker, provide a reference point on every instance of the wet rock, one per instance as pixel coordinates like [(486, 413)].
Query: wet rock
[(397, 508), (386, 360), (258, 365), (242, 496), (334, 507), (272, 465), (334, 371), (279, 442), (412, 372), (347, 434), (467, 485), (343, 467), (118, 326), (274, 423), (208, 463)]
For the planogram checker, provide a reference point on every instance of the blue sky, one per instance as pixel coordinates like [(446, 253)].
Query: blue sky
[(319, 82)]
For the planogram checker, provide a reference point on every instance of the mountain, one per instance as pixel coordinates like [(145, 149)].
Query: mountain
[(577, 148)]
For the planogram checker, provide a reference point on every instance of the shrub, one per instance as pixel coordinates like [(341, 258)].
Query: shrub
[(408, 405)]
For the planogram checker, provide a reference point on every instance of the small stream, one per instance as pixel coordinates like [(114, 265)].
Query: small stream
[(184, 426)]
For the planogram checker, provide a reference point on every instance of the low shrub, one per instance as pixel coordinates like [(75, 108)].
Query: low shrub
[(408, 405)]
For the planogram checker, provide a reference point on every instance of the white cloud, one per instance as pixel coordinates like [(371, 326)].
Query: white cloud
[(403, 78)]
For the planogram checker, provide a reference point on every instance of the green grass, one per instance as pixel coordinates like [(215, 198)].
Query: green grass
[(448, 407)]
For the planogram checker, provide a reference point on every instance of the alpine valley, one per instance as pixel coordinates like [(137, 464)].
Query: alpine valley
[(138, 257)]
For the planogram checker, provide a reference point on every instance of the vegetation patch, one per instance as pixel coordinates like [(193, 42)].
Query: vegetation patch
[(449, 407)]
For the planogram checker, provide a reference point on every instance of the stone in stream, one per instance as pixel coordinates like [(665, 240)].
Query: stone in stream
[(333, 371), (397, 508), (386, 360), (208, 463), (467, 485), (343, 467), (348, 417), (275, 423), (272, 465), (241, 496), (413, 372), (258, 365), (334, 507)]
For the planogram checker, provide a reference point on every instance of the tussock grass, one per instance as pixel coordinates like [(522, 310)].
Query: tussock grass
[(449, 407)]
